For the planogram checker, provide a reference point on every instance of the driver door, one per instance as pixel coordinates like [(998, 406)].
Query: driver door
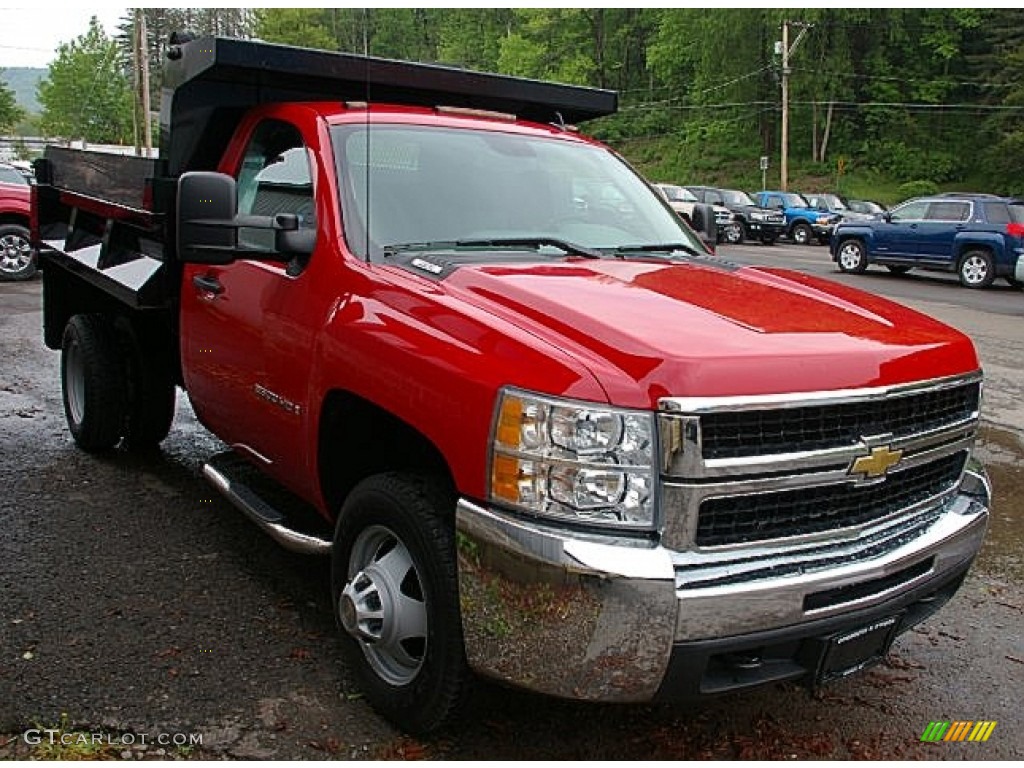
[(246, 350)]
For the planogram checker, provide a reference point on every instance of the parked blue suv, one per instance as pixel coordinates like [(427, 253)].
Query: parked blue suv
[(980, 237)]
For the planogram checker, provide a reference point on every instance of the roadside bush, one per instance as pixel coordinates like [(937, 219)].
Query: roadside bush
[(896, 158), (918, 188)]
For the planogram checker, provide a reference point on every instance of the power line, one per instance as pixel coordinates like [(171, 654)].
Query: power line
[(711, 89), (890, 78), (915, 105)]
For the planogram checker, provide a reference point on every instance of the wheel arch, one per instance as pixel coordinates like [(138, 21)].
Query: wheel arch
[(9, 217), (964, 247), (357, 438)]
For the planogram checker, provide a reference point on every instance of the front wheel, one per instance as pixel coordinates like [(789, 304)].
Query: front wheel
[(17, 259), (801, 233), (852, 257), (976, 270), (734, 233), (396, 598)]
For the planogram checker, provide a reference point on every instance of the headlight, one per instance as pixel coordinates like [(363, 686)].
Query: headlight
[(757, 216), (568, 460), (823, 220)]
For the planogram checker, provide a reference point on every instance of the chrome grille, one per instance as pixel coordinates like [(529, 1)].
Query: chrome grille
[(808, 428), (798, 512), (763, 472)]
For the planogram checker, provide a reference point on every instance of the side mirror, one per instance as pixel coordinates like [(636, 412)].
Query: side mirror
[(208, 224), (887, 216), (703, 219), (206, 209)]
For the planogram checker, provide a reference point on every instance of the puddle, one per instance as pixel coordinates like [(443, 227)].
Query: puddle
[(1002, 453)]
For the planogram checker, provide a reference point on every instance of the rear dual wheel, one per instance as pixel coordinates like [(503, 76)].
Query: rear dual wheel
[(110, 390)]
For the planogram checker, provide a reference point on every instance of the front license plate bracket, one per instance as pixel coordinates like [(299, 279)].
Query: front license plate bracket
[(848, 652)]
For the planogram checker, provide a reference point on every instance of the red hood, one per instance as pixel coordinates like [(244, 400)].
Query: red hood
[(648, 330)]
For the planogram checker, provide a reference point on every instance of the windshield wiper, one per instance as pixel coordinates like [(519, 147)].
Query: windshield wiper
[(570, 249), (660, 248)]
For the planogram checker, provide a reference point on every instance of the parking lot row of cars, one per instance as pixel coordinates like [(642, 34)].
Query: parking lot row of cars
[(980, 237), (769, 215)]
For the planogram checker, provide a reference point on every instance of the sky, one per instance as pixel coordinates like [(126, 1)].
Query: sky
[(29, 36)]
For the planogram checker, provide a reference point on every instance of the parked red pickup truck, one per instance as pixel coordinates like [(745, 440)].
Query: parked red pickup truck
[(17, 259), (547, 438)]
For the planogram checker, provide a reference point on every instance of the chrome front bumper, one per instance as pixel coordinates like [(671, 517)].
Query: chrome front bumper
[(596, 618)]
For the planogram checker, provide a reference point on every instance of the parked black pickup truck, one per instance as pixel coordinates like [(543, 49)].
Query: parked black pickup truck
[(751, 221)]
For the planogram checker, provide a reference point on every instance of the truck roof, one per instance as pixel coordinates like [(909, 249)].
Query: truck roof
[(210, 82)]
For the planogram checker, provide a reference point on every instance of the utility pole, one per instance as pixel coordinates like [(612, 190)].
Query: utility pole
[(787, 50), (147, 130), (140, 51)]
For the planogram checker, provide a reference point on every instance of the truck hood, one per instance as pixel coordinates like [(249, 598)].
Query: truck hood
[(649, 329)]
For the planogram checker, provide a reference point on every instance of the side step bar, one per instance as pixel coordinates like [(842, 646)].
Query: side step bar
[(269, 519)]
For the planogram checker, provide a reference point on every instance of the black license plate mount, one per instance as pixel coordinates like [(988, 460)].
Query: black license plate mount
[(849, 652)]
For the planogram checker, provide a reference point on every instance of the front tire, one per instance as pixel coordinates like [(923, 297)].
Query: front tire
[(17, 259), (801, 233), (976, 270), (852, 257), (396, 598), (734, 233), (93, 382)]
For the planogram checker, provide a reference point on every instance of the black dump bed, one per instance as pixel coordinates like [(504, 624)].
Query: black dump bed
[(108, 219)]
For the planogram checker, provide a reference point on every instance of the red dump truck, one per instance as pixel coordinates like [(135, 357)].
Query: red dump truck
[(469, 354)]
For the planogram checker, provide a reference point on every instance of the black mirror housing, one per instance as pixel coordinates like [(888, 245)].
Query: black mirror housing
[(703, 218), (206, 205), (208, 224)]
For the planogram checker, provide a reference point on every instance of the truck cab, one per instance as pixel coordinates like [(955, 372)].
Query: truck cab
[(466, 353)]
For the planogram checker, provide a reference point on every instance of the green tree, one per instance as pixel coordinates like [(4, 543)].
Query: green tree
[(87, 93), (10, 113)]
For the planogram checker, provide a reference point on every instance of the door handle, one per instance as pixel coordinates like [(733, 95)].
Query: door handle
[(208, 284)]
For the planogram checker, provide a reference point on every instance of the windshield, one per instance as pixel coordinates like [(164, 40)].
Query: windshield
[(677, 194), (735, 197), (833, 202), (793, 200), (405, 184)]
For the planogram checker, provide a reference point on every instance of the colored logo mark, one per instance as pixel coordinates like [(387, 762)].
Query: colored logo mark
[(959, 730)]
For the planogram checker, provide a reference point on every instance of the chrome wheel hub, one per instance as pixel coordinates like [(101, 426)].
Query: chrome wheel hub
[(15, 253), (974, 270), (382, 605), (849, 257)]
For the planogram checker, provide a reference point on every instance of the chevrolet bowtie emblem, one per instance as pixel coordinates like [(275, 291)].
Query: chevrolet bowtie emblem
[(876, 463)]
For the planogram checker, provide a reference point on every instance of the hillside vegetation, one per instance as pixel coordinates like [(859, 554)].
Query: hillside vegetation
[(932, 98), (898, 95)]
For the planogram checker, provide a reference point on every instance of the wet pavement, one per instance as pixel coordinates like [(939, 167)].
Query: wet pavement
[(133, 600)]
